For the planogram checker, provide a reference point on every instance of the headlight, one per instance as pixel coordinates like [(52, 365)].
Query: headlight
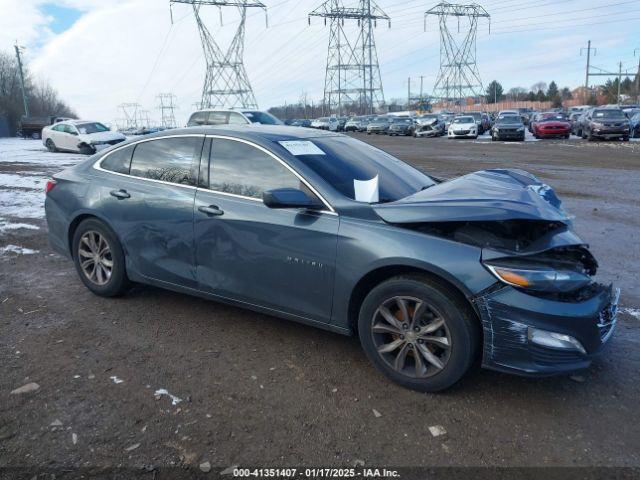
[(521, 129), (540, 278)]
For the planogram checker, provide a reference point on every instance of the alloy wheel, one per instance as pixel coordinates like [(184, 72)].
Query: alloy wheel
[(411, 337), (95, 258)]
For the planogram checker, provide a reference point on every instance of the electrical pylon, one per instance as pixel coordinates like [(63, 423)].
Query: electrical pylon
[(131, 115), (226, 81), (167, 109), (458, 77), (353, 73)]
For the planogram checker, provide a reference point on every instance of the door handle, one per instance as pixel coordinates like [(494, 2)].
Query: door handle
[(119, 194), (211, 210)]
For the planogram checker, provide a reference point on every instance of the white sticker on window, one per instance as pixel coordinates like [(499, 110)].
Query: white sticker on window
[(301, 147), (366, 190)]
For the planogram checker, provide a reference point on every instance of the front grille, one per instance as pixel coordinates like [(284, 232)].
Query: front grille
[(461, 132)]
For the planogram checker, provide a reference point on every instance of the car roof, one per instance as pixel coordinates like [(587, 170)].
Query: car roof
[(273, 133)]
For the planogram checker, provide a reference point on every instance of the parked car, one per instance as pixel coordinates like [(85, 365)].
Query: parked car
[(482, 121), (606, 123), (232, 117), (342, 121), (81, 136), (551, 124), (634, 126), (301, 122), (31, 127), (379, 125), (326, 123), (401, 126), (352, 124), (364, 123), (429, 125), (463, 126), (508, 127), (430, 275)]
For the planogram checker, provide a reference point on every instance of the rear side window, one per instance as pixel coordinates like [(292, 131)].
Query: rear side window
[(118, 161), (198, 118), (242, 169), (173, 160)]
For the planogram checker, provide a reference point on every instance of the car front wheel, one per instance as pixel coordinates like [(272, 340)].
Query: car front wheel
[(418, 333), (50, 145), (99, 259)]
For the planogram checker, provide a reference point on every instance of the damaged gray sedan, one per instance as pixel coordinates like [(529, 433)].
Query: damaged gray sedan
[(323, 229)]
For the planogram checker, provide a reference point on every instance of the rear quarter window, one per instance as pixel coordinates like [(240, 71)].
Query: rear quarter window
[(118, 161)]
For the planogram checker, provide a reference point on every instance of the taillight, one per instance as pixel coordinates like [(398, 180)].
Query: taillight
[(50, 184)]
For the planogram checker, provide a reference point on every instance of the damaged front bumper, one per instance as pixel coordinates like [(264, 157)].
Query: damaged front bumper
[(517, 325)]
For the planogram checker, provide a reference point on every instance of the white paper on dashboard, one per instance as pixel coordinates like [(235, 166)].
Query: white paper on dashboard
[(366, 190), (301, 147)]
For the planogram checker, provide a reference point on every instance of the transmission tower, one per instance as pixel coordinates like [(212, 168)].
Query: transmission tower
[(167, 109), (458, 77), (226, 81), (131, 115), (353, 72)]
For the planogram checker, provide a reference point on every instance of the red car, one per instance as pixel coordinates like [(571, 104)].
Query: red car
[(551, 125)]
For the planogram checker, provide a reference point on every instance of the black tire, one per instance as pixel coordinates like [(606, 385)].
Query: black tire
[(625, 139), (118, 282), (51, 146), (460, 327), (567, 137), (87, 149)]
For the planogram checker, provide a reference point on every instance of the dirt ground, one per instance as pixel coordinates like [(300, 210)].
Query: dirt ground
[(254, 390)]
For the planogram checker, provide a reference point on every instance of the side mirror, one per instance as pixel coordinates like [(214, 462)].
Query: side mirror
[(290, 198)]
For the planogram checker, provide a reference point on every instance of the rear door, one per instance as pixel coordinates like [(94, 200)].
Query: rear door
[(148, 197), (279, 259)]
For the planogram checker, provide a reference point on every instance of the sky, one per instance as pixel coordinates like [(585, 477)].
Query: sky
[(99, 54)]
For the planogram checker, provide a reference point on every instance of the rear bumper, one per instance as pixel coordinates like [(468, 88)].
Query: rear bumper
[(509, 315), (510, 135), (58, 227)]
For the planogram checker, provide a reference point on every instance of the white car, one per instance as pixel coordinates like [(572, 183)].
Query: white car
[(463, 127), (231, 116), (81, 136)]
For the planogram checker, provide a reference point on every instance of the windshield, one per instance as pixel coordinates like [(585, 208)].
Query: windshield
[(553, 117), (463, 120), (381, 120), (509, 119), (93, 127), (402, 120), (263, 118), (609, 113), (346, 160), (476, 115)]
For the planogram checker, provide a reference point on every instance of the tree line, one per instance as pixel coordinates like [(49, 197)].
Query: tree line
[(541, 92), (43, 99)]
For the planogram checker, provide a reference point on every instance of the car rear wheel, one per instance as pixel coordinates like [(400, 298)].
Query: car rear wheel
[(99, 259), (50, 145), (417, 333)]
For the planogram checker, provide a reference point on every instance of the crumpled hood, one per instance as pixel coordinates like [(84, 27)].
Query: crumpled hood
[(487, 195)]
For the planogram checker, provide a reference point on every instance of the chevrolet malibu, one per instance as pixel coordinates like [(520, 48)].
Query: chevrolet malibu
[(323, 229)]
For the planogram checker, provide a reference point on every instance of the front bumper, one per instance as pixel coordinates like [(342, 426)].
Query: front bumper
[(557, 132), (508, 315), (610, 132), (463, 133), (509, 134)]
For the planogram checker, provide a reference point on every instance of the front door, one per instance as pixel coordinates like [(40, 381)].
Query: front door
[(279, 259), (150, 204)]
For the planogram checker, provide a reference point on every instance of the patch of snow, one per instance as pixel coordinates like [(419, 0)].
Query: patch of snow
[(23, 204), (634, 312), (116, 380), (5, 225), (163, 391), (17, 250), (21, 181), (17, 150)]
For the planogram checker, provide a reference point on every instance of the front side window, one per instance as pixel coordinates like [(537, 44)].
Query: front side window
[(118, 161), (168, 159), (241, 169)]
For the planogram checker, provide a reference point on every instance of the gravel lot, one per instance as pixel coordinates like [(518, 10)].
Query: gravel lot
[(255, 390)]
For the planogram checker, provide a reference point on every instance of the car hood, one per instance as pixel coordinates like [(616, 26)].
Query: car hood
[(462, 126), (487, 195), (102, 136)]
